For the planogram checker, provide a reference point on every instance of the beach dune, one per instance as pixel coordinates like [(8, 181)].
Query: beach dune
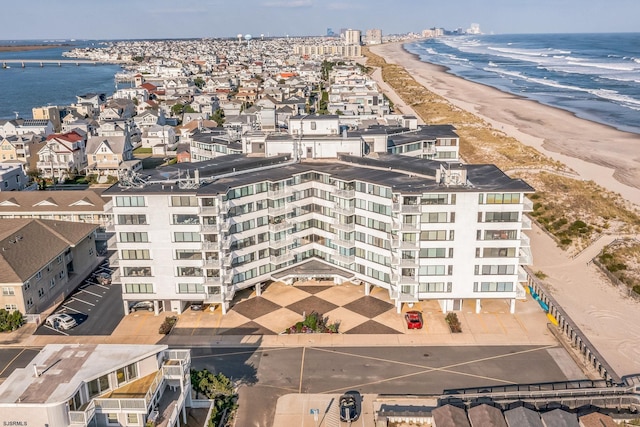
[(596, 152)]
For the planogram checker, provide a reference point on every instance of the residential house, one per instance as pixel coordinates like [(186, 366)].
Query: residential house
[(559, 418), (486, 416), (19, 148), (596, 419), (108, 155), (33, 279), (449, 416), (149, 118), (74, 385), (49, 112), (12, 177), (24, 127), (63, 155), (160, 138), (522, 417)]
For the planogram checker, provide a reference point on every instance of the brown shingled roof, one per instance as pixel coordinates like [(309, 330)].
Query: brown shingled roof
[(27, 245)]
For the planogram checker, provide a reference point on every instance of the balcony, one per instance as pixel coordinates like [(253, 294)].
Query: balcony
[(526, 222), (227, 260), (208, 228), (280, 193), (284, 225), (349, 226), (114, 259), (213, 280), (408, 280), (525, 241), (345, 243), (345, 194), (280, 259), (403, 262), (525, 256), (226, 243), (403, 244), (279, 210), (112, 243), (209, 245), (405, 226), (224, 226), (343, 259), (282, 243), (397, 207), (209, 210), (527, 205), (344, 210)]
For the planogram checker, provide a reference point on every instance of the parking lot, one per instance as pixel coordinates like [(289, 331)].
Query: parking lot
[(97, 308)]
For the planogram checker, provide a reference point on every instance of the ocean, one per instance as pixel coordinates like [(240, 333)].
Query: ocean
[(21, 89), (594, 76)]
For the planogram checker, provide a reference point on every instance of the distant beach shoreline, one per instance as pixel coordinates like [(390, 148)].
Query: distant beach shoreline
[(22, 48), (586, 147)]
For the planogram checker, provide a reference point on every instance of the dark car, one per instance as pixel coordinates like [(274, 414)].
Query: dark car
[(350, 406), (142, 305), (414, 319)]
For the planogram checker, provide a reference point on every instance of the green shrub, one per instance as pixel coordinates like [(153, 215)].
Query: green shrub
[(566, 241), (10, 321), (453, 321), (167, 325), (636, 289)]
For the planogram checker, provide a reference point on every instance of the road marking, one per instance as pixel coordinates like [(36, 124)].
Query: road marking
[(56, 330), (102, 286), (12, 360), (304, 350), (79, 300), (73, 309), (237, 353), (433, 369), (89, 292)]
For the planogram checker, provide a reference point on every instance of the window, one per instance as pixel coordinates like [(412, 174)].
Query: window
[(434, 217), (8, 291), (433, 235), (41, 292), (434, 199), (184, 201), (135, 254), (138, 288), (186, 236), (187, 220), (189, 272), (126, 201), (503, 198), (10, 307), (500, 234), (132, 219), (112, 419), (136, 271), (493, 287), (127, 374), (501, 217), (132, 418), (433, 253), (190, 288), (432, 270), (434, 287), (59, 259), (499, 252), (52, 282), (133, 237), (98, 386), (39, 275), (188, 254), (495, 269)]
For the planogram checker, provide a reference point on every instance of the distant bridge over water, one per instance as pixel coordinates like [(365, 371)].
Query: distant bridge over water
[(7, 63)]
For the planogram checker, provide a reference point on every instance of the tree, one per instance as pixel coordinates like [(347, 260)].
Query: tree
[(218, 116), (36, 176), (199, 82)]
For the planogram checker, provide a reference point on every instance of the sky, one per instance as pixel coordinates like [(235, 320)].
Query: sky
[(124, 19)]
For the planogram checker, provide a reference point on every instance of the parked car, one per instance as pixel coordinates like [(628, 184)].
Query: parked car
[(61, 321), (414, 319), (104, 279), (196, 306), (350, 406), (142, 305)]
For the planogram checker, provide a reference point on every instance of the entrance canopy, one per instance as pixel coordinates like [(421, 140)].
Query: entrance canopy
[(313, 269)]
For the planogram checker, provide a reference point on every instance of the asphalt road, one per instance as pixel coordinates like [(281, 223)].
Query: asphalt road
[(267, 374)]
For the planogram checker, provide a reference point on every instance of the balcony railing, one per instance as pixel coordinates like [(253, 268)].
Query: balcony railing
[(344, 210), (345, 243), (397, 207), (209, 228), (350, 226), (526, 222), (213, 280), (279, 210), (282, 258), (82, 418), (282, 225), (210, 245), (405, 226), (403, 244), (525, 256), (408, 280), (525, 241), (279, 193), (527, 205), (209, 210), (343, 259), (212, 262), (227, 260), (278, 244), (345, 194)]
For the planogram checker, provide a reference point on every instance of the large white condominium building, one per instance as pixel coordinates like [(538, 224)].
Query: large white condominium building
[(421, 229)]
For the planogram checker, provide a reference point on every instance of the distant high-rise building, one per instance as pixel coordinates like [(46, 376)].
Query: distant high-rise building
[(474, 29), (373, 36), (352, 37), (330, 32)]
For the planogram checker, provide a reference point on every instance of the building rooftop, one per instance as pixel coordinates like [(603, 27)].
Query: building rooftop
[(63, 368), (401, 173)]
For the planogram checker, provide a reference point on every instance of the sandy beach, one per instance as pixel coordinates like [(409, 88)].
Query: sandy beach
[(596, 152)]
